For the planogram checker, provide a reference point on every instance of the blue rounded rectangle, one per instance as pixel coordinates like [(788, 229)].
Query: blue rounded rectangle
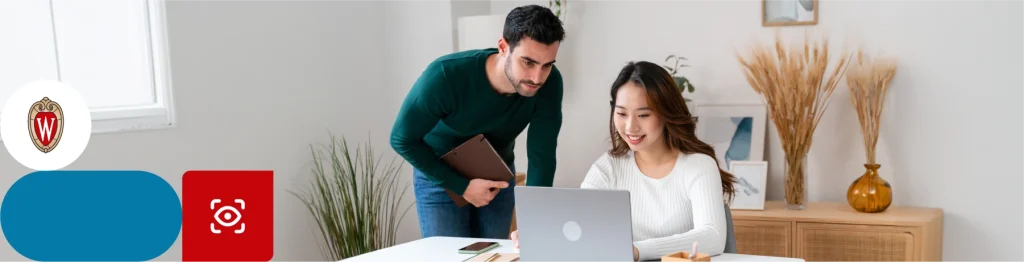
[(91, 216)]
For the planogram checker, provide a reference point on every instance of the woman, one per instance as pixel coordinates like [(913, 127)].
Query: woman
[(676, 186)]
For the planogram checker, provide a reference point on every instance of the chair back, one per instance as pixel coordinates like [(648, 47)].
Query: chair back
[(730, 239), (520, 181)]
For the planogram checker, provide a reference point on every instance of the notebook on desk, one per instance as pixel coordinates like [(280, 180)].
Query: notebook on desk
[(476, 158)]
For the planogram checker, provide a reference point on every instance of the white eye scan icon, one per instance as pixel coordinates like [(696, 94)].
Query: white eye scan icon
[(221, 215)]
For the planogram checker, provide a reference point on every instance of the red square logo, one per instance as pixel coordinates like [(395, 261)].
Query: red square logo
[(227, 215)]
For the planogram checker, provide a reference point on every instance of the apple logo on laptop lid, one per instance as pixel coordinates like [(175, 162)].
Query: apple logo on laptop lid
[(572, 231)]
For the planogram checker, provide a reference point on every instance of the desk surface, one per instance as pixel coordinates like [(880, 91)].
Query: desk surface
[(444, 249)]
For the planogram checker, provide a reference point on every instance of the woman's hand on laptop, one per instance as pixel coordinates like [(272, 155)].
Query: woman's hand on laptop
[(480, 193)]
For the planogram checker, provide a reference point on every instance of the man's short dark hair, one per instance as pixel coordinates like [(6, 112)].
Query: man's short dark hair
[(533, 21)]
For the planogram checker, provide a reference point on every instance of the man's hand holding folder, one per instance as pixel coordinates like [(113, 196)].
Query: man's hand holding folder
[(481, 191), (477, 161)]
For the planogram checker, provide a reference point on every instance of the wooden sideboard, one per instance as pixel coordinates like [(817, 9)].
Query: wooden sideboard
[(835, 232)]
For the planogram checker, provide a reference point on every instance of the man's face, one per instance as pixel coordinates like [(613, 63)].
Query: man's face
[(529, 65)]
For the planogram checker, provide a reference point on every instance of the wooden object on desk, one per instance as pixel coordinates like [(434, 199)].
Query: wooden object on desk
[(520, 180), (685, 256), (494, 257), (833, 231)]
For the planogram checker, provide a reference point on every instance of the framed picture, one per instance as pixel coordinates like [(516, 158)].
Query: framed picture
[(735, 131), (789, 12), (751, 180)]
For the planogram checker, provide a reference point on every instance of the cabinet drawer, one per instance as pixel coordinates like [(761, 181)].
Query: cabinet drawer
[(766, 238), (844, 242)]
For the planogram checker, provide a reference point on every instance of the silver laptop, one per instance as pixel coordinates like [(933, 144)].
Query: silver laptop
[(573, 224)]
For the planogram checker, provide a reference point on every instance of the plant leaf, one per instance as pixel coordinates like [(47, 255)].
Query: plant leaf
[(683, 84), (670, 69), (355, 203)]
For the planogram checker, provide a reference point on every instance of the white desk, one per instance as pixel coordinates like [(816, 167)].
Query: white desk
[(444, 249)]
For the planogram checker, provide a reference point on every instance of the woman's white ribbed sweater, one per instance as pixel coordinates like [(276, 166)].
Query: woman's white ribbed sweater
[(670, 213)]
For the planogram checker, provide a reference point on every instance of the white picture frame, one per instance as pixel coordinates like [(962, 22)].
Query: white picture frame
[(751, 182), (789, 12), (735, 131)]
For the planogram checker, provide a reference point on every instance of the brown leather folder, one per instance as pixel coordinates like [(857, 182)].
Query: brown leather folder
[(476, 158)]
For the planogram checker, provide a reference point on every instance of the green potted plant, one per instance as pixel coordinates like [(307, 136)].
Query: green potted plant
[(354, 199), (558, 6), (673, 64)]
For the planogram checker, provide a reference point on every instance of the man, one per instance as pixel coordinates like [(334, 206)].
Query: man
[(496, 92)]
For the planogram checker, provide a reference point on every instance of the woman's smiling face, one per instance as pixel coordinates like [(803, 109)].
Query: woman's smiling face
[(634, 120)]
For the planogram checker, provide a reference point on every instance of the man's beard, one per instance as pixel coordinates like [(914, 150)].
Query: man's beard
[(508, 75)]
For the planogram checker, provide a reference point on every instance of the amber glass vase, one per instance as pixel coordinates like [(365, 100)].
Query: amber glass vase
[(870, 193)]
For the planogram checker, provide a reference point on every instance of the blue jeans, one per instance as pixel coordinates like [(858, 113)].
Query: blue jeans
[(439, 216)]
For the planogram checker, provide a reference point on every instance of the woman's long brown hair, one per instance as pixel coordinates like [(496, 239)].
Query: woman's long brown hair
[(667, 103)]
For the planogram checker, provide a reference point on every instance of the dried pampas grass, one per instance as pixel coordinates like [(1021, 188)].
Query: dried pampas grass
[(868, 80), (796, 83)]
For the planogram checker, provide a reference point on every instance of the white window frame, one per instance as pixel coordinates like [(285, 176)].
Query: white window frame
[(161, 113), (158, 115)]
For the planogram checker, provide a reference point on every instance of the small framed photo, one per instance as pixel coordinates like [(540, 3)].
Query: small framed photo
[(735, 131), (751, 180), (789, 12)]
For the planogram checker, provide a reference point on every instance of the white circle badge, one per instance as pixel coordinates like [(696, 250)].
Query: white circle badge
[(45, 125), (572, 231)]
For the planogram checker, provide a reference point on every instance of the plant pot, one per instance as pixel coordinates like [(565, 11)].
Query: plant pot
[(869, 193)]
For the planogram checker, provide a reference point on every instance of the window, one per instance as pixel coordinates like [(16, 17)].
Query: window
[(114, 52)]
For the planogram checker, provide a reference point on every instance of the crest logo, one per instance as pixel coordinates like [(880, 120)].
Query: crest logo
[(46, 124), (33, 140)]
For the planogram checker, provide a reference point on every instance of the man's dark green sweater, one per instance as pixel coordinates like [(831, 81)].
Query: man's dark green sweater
[(452, 101)]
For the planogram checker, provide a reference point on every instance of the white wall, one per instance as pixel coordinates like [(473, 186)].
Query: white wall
[(951, 136), (238, 58), (417, 33), (461, 8)]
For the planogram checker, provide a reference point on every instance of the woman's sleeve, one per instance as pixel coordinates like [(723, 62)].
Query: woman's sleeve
[(703, 186), (599, 176)]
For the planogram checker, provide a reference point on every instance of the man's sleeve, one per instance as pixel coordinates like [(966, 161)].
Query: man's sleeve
[(429, 100), (542, 139)]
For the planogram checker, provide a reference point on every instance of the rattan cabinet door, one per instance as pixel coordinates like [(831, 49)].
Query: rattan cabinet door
[(764, 238), (845, 242)]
